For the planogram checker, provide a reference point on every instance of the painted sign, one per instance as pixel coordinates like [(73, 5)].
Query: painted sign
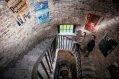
[(42, 11), (91, 22), (20, 10)]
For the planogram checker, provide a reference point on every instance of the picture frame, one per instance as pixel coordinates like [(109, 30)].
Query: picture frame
[(107, 44), (42, 11), (91, 22), (20, 10)]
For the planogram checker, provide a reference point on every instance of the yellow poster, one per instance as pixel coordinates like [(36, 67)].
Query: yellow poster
[(19, 9)]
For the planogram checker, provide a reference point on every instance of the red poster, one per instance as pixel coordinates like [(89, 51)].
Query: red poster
[(91, 22)]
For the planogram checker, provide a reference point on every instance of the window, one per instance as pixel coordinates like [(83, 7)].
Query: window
[(66, 29)]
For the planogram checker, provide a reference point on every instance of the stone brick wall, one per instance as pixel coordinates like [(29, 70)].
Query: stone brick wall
[(78, 9), (101, 61), (75, 12), (16, 40)]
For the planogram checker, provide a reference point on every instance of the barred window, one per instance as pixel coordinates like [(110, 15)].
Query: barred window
[(66, 29)]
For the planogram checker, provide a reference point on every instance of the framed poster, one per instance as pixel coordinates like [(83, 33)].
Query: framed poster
[(107, 44), (91, 22), (42, 11), (20, 10)]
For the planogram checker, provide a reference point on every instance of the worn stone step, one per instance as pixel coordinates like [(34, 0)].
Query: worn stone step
[(89, 69), (88, 66), (23, 67), (87, 59), (88, 74), (87, 63), (30, 58), (14, 73), (88, 78)]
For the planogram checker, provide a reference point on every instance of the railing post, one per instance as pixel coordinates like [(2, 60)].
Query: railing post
[(48, 63), (45, 69), (62, 42), (49, 56), (39, 75), (59, 41), (65, 42)]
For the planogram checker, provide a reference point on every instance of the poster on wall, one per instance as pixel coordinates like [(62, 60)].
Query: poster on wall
[(91, 22), (20, 10), (42, 11), (107, 45)]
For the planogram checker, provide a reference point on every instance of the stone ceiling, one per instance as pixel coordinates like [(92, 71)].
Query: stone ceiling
[(80, 8)]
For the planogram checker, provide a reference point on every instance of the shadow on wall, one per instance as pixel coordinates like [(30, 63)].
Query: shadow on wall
[(114, 70)]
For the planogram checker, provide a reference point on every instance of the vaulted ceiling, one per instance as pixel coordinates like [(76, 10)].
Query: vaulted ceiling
[(80, 8)]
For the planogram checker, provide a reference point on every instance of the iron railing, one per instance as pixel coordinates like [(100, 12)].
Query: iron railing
[(43, 67), (66, 43)]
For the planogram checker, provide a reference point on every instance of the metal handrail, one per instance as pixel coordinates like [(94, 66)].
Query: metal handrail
[(49, 54), (39, 60), (75, 51)]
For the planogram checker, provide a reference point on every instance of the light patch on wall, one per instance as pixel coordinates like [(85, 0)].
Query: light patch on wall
[(0, 14), (109, 23), (91, 22), (2, 3)]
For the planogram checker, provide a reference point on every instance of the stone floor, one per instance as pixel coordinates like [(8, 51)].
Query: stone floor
[(23, 67), (88, 67)]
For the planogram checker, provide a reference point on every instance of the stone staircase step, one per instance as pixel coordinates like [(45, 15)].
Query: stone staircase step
[(23, 67), (14, 73), (88, 67), (87, 64), (87, 75)]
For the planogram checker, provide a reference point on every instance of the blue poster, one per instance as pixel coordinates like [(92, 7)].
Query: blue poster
[(42, 11)]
